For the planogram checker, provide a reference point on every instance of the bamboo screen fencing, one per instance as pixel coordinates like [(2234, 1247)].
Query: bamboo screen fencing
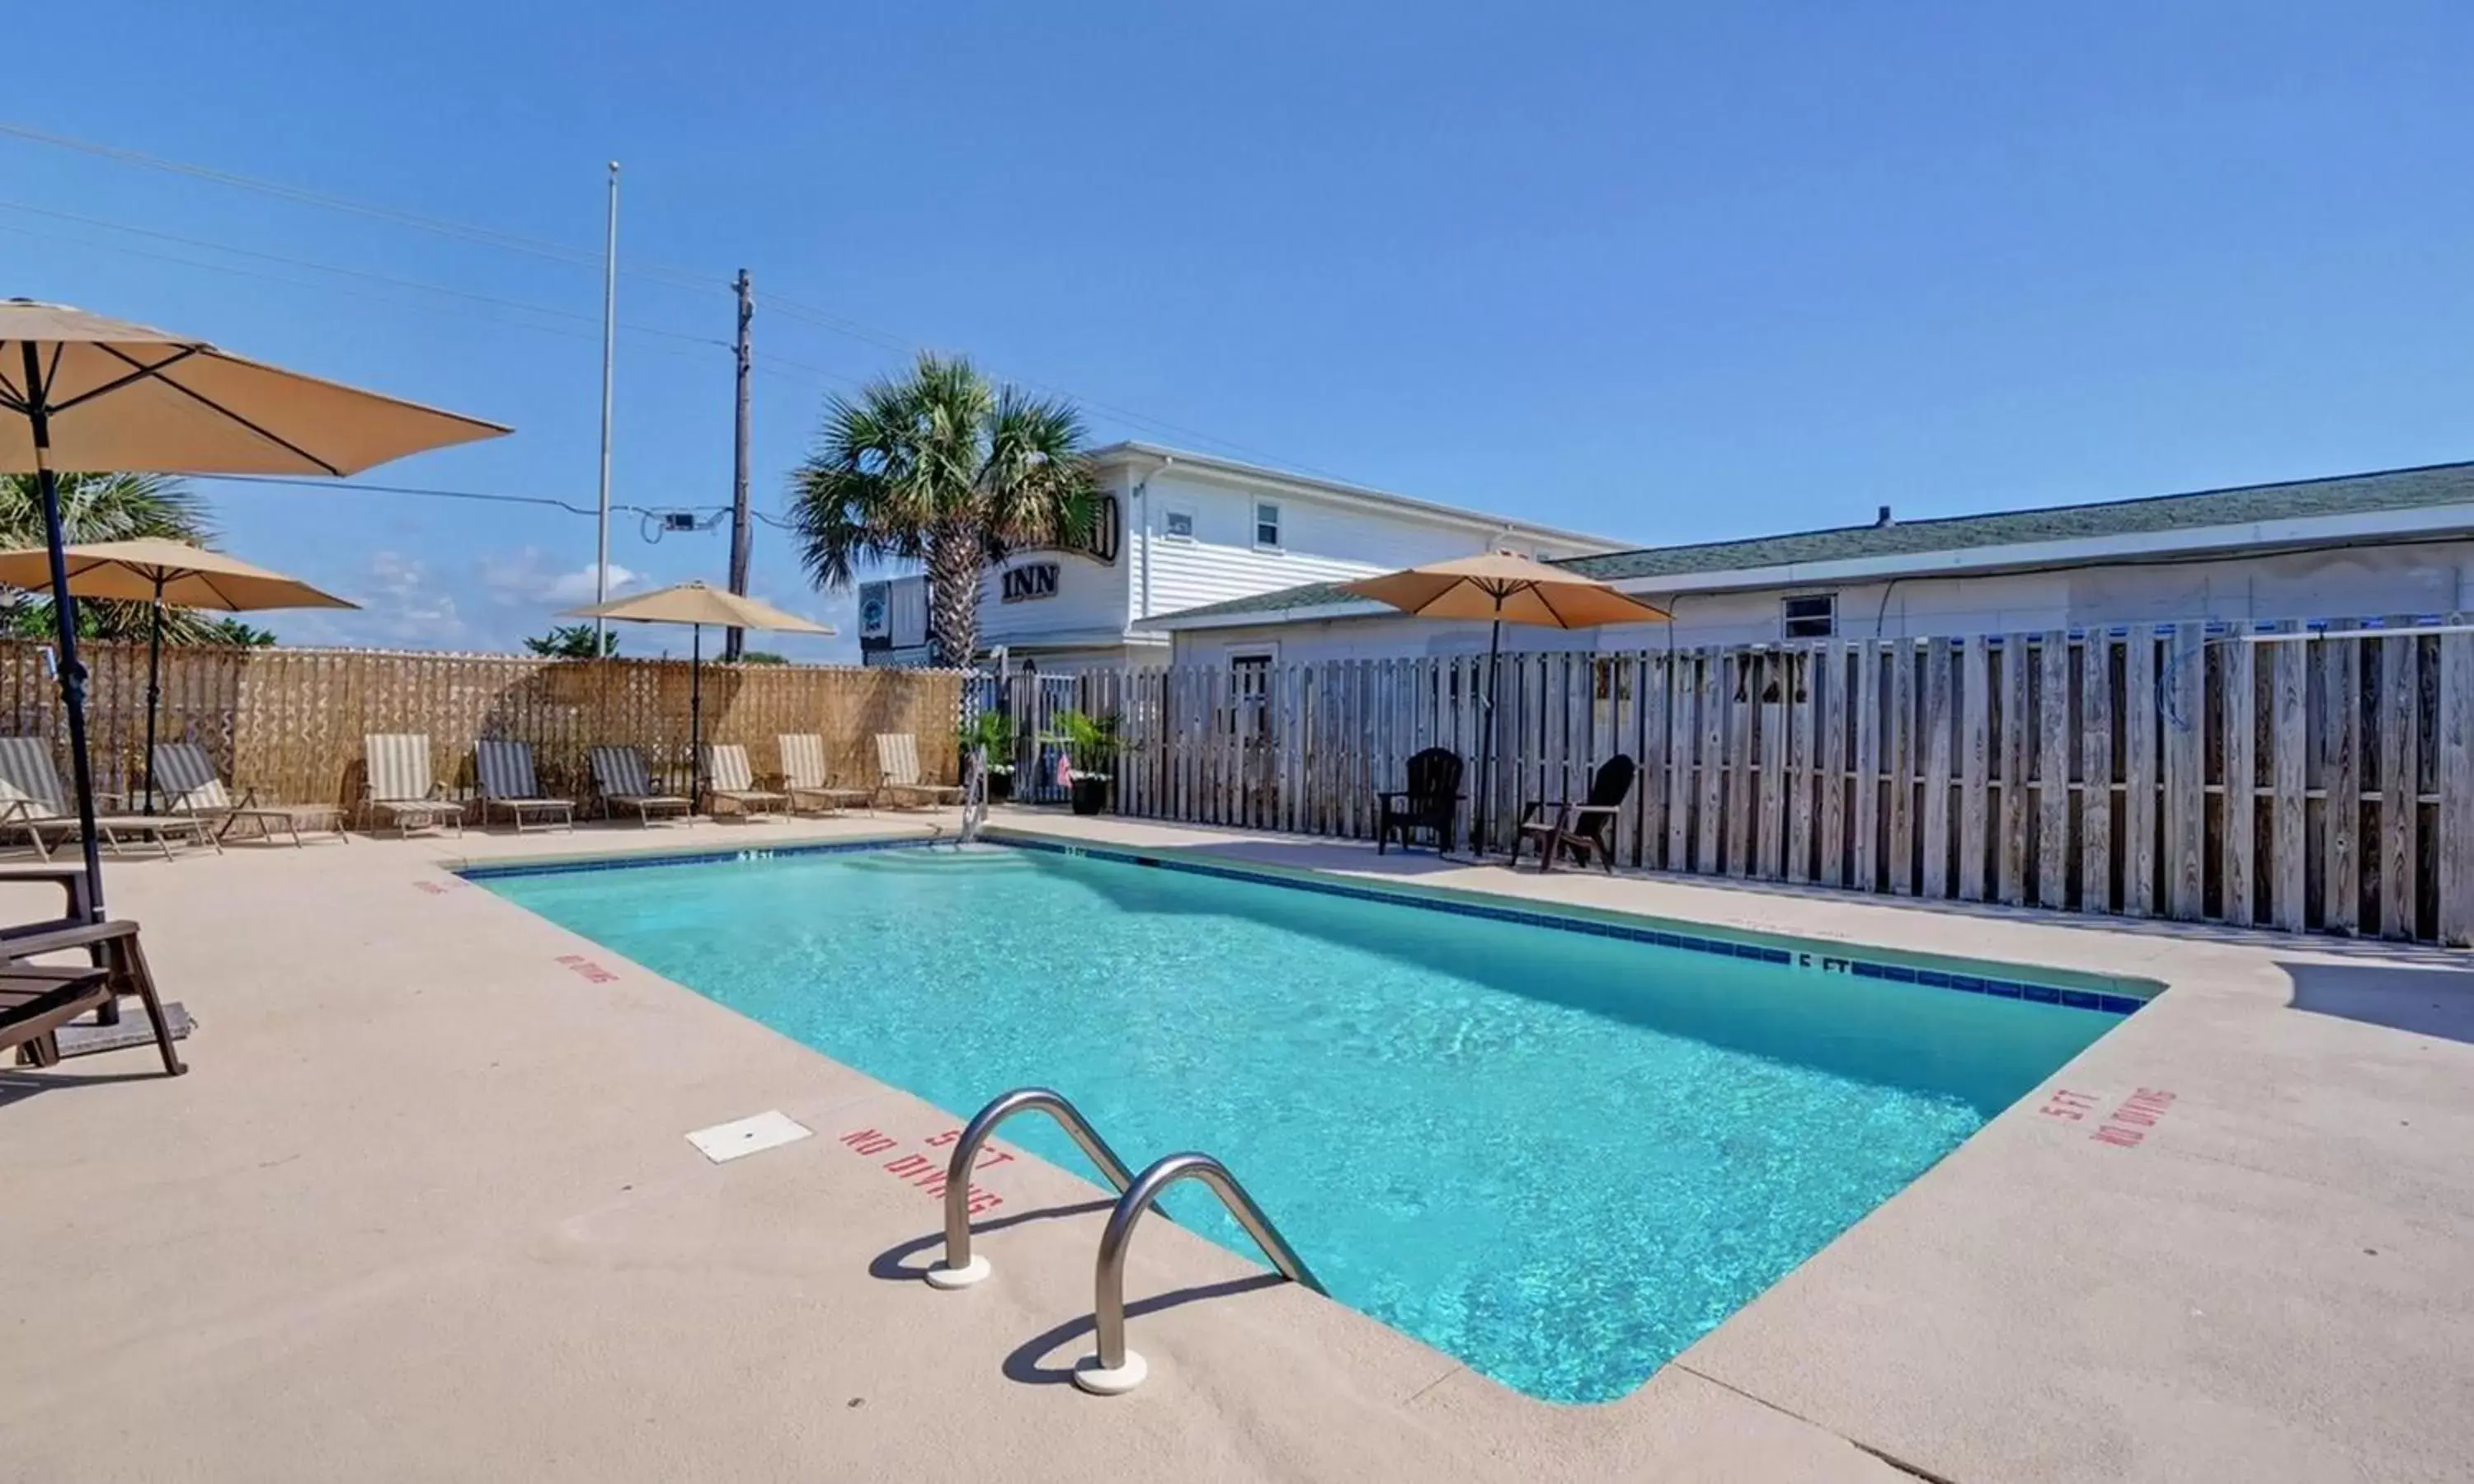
[(2319, 781), (290, 722)]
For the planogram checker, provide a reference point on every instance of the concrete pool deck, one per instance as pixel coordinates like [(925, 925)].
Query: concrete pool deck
[(423, 1209)]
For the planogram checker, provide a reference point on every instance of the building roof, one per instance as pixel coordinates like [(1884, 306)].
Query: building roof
[(1207, 465), (2249, 506)]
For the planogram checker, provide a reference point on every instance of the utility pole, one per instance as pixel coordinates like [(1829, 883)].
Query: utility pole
[(738, 525), (609, 354)]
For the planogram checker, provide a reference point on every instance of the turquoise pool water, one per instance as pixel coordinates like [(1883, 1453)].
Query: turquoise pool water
[(1559, 1158)]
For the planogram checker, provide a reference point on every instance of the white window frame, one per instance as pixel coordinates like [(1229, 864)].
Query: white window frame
[(1788, 619), (1172, 514), (1277, 542)]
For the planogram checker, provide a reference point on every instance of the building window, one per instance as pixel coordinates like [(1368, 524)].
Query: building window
[(1812, 615), (1267, 525), (1177, 524), (1249, 684)]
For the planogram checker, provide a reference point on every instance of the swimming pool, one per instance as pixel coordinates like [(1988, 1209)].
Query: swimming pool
[(1558, 1155)]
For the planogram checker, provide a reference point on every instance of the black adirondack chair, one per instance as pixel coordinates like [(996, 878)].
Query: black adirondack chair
[(1430, 803), (1579, 829)]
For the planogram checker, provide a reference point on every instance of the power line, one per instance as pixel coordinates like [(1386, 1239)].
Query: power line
[(315, 266), (487, 236), (585, 258), (488, 496), (382, 298)]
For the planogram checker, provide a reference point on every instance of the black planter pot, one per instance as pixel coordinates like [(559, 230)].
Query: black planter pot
[(1090, 795), (1000, 785)]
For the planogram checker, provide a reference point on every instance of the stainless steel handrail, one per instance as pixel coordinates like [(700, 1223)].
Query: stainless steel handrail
[(959, 1268), (974, 795), (1116, 1368)]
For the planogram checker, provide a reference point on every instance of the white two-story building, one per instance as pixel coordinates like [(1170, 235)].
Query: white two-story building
[(1178, 531)]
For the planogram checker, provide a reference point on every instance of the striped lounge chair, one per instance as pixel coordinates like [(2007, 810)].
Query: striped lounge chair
[(34, 803), (729, 779), (897, 764), (189, 784), (619, 778), (508, 783), (803, 776), (400, 785)]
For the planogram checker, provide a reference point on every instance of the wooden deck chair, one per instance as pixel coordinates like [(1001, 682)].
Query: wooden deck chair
[(729, 779), (33, 802), (189, 784), (803, 776), (619, 778), (897, 766), (1430, 803), (1582, 829), (38, 999), (505, 770), (399, 786)]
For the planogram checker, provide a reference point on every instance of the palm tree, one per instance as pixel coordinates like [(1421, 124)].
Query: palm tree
[(941, 467), (109, 508)]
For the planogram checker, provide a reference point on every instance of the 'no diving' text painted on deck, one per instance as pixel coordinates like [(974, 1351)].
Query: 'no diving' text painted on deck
[(927, 1171), (584, 968), (2124, 1128)]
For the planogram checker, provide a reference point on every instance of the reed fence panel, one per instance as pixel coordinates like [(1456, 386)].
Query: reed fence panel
[(289, 722)]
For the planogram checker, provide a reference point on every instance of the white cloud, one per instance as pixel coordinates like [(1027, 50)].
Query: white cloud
[(527, 578)]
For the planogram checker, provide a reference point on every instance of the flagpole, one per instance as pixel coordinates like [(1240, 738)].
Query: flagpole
[(609, 357)]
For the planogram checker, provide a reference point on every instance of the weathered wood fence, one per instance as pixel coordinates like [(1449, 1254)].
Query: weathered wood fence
[(290, 721), (2295, 781)]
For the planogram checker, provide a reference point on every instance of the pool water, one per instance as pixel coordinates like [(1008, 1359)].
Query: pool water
[(1558, 1156)]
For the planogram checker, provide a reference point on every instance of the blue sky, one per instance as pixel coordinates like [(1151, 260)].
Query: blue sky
[(1663, 271)]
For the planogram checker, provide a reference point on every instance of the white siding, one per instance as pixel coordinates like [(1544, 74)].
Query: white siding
[(1321, 540), (2344, 582)]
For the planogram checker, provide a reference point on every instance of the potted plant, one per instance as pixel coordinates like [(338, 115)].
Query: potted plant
[(1090, 742), (993, 730)]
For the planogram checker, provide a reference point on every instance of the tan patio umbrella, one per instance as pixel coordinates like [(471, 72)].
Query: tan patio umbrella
[(699, 607), (1496, 587), (107, 397), (155, 571)]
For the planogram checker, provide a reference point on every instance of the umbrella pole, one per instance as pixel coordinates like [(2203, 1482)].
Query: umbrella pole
[(696, 715), (1486, 736), (154, 686), (64, 617)]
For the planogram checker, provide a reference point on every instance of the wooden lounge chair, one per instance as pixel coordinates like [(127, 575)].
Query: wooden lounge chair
[(729, 779), (803, 776), (1431, 801), (897, 766), (32, 801), (619, 778), (1582, 829), (400, 787), (505, 770), (188, 781), (38, 999)]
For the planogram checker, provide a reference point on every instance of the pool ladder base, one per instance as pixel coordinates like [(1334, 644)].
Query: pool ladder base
[(1115, 1369)]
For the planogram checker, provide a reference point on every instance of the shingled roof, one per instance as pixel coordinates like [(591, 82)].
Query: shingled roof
[(2393, 489)]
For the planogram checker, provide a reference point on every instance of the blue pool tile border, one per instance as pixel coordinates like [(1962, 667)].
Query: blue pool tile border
[(735, 855), (1597, 927), (1724, 947)]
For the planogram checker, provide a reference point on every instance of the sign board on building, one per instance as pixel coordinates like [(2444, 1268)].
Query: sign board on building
[(874, 615), (1029, 583)]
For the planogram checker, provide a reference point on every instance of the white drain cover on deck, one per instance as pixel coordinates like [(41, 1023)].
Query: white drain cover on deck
[(767, 1130)]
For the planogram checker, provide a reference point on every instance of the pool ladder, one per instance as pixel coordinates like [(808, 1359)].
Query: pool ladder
[(1114, 1368), (975, 795)]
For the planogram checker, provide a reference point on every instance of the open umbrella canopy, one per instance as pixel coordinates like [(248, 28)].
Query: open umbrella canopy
[(122, 397), (1500, 586), (694, 603), (103, 395), (188, 575), (698, 607)]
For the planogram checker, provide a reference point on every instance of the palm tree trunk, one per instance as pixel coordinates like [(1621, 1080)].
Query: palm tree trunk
[(954, 598)]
